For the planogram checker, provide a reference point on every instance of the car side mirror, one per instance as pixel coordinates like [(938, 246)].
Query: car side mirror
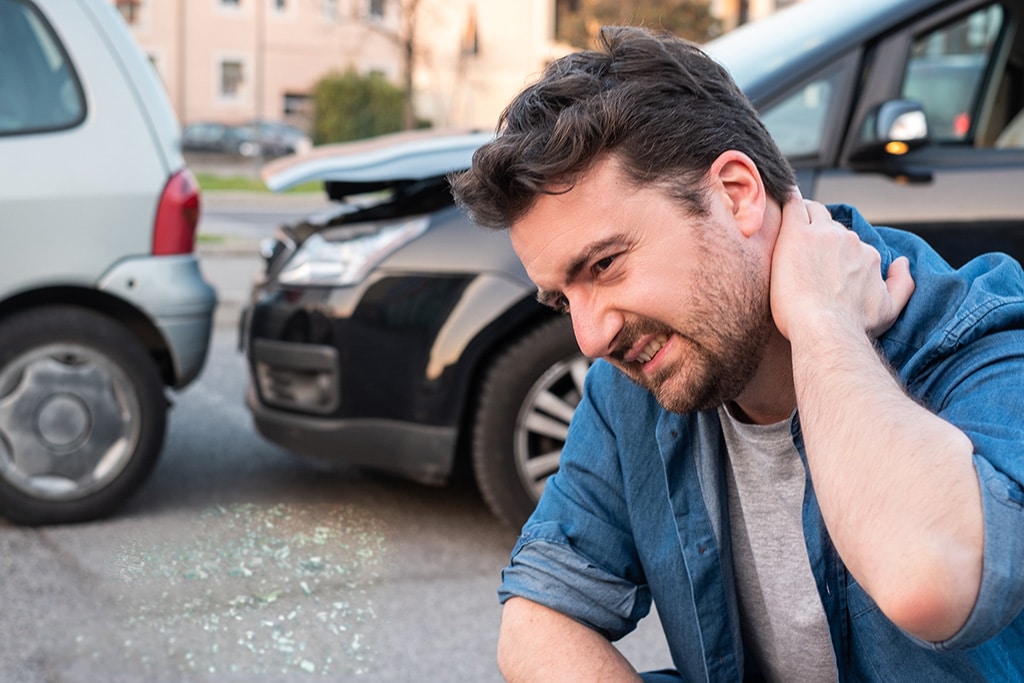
[(890, 130)]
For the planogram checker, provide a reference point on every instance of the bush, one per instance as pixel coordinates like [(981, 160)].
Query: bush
[(348, 106)]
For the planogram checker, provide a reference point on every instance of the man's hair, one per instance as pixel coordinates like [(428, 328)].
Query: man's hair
[(657, 103)]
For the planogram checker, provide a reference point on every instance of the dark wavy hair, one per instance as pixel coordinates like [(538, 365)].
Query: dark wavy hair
[(662, 107)]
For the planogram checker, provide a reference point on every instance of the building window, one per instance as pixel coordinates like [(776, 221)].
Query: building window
[(230, 3), (280, 5), (376, 10), (129, 9), (330, 9), (230, 78), (297, 104)]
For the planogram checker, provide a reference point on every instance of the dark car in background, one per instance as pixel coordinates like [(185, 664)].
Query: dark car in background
[(393, 334), (267, 139), (288, 138)]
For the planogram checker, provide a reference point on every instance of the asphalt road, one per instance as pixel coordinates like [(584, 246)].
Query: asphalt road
[(238, 561)]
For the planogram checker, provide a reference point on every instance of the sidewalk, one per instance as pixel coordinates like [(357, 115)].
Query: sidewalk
[(232, 274), (230, 261), (229, 258)]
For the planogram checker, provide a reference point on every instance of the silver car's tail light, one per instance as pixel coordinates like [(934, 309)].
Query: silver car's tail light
[(177, 215)]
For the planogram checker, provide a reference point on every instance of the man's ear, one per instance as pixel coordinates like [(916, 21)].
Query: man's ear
[(734, 174)]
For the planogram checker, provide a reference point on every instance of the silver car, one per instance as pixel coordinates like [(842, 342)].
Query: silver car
[(102, 304)]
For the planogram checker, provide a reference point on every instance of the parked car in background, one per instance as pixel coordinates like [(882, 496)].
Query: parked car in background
[(102, 304), (267, 139), (291, 139), (393, 334), (213, 137)]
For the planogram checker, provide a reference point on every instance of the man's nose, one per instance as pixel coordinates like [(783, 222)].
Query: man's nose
[(595, 327)]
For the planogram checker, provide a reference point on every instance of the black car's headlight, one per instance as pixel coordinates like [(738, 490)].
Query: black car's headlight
[(347, 260)]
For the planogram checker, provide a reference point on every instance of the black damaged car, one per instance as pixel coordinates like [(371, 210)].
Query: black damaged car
[(393, 333)]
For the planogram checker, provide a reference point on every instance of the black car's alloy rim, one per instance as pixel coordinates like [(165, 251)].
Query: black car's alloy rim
[(543, 422)]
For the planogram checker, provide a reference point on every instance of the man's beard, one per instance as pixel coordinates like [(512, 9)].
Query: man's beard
[(729, 324)]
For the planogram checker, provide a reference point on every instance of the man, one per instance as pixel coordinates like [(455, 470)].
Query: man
[(803, 439)]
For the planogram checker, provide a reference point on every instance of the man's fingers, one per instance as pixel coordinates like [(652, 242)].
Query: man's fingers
[(900, 282), (794, 211), (818, 211)]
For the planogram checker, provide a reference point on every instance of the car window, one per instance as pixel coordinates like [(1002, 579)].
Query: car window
[(38, 88), (203, 132), (797, 123), (948, 72)]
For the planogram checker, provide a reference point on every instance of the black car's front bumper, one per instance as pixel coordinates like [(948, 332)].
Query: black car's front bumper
[(422, 453), (377, 375)]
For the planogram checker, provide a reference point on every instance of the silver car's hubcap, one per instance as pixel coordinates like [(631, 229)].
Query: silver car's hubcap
[(69, 421), (543, 422)]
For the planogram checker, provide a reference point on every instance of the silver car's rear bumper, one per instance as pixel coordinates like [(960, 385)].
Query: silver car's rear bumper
[(171, 291)]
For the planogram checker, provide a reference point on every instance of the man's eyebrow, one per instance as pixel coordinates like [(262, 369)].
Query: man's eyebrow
[(576, 266), (548, 298)]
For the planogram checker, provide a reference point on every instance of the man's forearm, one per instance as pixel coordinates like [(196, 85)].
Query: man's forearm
[(896, 484), (539, 644)]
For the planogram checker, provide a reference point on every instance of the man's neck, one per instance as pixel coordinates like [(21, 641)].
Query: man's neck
[(770, 396)]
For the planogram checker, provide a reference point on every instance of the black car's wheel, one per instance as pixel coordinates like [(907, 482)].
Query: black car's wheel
[(82, 415), (527, 399)]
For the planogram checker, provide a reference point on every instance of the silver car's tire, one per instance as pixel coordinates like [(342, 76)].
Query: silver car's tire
[(527, 398), (82, 415)]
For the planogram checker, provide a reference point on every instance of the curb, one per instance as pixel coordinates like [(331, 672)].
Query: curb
[(212, 244), (235, 198)]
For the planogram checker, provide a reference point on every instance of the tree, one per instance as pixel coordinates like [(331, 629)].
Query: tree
[(410, 13), (580, 20), (406, 41), (348, 106), (403, 36)]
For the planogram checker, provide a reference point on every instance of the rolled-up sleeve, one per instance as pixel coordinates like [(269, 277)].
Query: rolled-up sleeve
[(545, 568), (576, 553), (1001, 597), (986, 403)]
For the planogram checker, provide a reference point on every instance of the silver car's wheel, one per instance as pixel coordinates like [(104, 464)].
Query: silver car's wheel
[(527, 398), (82, 415), (69, 420)]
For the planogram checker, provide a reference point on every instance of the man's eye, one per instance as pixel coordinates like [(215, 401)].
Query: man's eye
[(604, 264), (561, 304)]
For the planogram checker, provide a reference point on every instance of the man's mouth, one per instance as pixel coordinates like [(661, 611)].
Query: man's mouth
[(652, 348)]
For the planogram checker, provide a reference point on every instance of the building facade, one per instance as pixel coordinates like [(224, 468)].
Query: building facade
[(732, 13), (236, 60)]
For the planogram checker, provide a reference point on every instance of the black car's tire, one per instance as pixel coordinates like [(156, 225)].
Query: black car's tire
[(528, 395), (82, 415)]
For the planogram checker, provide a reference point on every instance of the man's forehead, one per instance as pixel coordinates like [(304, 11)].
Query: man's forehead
[(550, 220)]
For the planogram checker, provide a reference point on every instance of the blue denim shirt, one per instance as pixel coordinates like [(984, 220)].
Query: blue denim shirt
[(637, 510)]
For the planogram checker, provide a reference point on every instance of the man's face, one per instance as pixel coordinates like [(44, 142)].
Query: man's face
[(678, 303)]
